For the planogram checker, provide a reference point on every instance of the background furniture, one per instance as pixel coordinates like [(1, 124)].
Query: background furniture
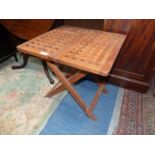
[(27, 28), (16, 31), (135, 65), (86, 23)]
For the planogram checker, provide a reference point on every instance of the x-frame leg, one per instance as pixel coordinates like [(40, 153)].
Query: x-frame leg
[(60, 87), (66, 84)]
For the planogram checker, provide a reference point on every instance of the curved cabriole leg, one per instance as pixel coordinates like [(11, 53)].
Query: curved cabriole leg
[(25, 60), (47, 72)]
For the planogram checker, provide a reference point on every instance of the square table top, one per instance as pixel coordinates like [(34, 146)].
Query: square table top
[(89, 50)]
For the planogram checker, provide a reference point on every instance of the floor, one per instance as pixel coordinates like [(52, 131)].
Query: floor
[(136, 115), (69, 119)]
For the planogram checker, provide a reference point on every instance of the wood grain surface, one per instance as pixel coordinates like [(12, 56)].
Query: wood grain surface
[(27, 28), (135, 65)]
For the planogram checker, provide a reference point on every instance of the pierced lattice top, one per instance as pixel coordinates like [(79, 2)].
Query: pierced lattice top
[(86, 49)]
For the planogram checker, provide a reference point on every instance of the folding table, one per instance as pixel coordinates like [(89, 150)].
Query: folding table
[(86, 51)]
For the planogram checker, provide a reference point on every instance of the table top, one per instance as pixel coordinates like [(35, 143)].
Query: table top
[(90, 50)]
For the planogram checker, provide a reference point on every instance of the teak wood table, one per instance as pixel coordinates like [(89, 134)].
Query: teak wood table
[(86, 51)]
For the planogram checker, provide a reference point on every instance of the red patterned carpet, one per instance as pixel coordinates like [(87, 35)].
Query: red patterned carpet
[(137, 115)]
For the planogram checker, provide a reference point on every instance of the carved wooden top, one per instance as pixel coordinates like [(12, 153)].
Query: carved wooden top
[(86, 49)]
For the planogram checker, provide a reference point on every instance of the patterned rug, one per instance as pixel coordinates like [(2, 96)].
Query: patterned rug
[(23, 107), (137, 116)]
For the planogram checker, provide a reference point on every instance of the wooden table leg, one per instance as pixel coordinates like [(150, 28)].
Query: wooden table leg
[(72, 91), (72, 79), (96, 97)]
